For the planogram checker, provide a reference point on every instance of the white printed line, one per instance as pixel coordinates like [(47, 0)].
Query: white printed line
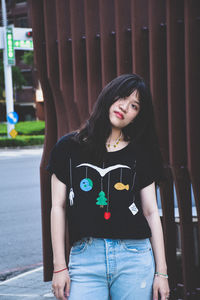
[(50, 295), (21, 295), (21, 275)]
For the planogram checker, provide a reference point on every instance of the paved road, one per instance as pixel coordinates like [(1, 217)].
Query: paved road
[(20, 211), (28, 285)]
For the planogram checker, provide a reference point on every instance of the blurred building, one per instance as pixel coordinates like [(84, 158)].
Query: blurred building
[(28, 100)]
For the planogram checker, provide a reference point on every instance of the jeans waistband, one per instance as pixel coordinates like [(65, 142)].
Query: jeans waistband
[(89, 240)]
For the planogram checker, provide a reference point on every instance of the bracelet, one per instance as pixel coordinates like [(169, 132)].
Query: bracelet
[(161, 275), (60, 270)]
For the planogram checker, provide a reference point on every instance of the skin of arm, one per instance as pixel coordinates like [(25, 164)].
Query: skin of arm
[(61, 280), (150, 211)]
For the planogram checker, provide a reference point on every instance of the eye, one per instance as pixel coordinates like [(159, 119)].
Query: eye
[(134, 106)]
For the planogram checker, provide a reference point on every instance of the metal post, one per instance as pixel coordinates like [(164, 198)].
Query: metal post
[(7, 72)]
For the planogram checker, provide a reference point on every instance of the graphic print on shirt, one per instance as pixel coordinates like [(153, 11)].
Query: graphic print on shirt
[(101, 171), (103, 199), (120, 186), (71, 193), (86, 184)]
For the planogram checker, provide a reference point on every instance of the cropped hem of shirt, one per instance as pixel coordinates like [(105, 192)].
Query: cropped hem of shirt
[(103, 200), (114, 237)]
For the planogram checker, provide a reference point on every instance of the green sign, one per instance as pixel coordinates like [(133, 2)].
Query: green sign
[(10, 47), (23, 44)]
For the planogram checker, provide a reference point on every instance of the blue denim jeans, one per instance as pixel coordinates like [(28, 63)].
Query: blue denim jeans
[(102, 269)]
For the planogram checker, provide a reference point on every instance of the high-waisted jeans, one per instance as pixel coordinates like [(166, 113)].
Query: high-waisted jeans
[(102, 269)]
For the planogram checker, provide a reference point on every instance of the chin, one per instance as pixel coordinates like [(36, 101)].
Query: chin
[(114, 124)]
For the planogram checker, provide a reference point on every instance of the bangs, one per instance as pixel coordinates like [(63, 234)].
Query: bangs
[(126, 89)]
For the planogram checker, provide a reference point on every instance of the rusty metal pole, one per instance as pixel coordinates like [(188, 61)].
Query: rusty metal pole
[(140, 38), (50, 131), (50, 25), (79, 57), (177, 137), (192, 79), (158, 83), (65, 62), (123, 36), (108, 44), (93, 50)]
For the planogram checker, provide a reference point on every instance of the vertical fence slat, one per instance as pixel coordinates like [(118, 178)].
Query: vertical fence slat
[(176, 94), (158, 70), (158, 82), (158, 67), (140, 38), (79, 57), (52, 65), (176, 81), (107, 33), (192, 80), (177, 135), (92, 30), (65, 62), (123, 36), (50, 129)]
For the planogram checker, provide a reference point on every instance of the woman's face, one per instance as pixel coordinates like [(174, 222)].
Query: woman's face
[(123, 111)]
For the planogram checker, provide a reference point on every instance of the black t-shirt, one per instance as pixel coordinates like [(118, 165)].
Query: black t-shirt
[(103, 200)]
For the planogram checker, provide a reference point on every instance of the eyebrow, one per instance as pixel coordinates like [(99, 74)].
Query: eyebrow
[(137, 102)]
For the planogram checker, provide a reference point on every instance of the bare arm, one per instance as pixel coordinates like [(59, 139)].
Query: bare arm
[(58, 190), (150, 210), (60, 281)]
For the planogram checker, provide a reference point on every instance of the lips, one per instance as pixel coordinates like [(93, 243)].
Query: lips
[(119, 115)]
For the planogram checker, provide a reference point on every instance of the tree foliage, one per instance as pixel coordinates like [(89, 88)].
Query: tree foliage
[(28, 58), (18, 78)]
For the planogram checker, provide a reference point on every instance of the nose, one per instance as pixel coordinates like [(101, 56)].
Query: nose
[(123, 105)]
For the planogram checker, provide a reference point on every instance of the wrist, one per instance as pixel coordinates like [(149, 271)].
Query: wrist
[(161, 269), (58, 266), (162, 275), (60, 270)]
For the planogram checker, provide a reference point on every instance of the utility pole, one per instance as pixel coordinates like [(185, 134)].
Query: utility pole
[(7, 72)]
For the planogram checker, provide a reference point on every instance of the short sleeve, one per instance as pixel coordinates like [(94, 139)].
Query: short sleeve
[(59, 158), (149, 168)]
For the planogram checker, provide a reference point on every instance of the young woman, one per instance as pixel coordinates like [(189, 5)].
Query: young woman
[(103, 185)]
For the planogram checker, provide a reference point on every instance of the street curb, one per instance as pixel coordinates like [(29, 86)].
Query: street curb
[(24, 147), (10, 273), (21, 275)]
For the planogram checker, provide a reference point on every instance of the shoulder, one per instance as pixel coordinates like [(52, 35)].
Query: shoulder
[(64, 146), (144, 151), (66, 140)]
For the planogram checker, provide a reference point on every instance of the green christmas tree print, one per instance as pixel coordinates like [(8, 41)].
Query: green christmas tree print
[(101, 200)]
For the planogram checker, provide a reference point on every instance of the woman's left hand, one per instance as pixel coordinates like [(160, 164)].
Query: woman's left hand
[(161, 286)]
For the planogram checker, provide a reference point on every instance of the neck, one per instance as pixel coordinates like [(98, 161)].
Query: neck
[(115, 134)]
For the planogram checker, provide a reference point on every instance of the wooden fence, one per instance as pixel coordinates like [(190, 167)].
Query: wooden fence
[(79, 46)]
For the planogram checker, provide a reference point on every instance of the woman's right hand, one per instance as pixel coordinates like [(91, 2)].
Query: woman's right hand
[(61, 285)]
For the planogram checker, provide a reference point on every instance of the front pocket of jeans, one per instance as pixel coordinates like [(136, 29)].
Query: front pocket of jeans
[(136, 247), (79, 247)]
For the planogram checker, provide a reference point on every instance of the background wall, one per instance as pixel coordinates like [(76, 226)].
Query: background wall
[(80, 45)]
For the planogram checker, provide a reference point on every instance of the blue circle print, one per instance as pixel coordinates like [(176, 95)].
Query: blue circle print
[(86, 184)]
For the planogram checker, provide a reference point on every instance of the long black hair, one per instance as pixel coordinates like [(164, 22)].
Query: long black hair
[(95, 132)]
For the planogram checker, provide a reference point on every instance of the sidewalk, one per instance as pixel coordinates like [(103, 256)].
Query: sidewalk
[(28, 285)]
